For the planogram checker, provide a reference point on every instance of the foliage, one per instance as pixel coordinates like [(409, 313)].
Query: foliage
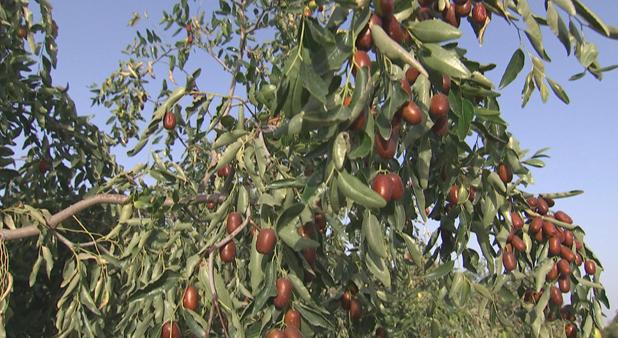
[(115, 249)]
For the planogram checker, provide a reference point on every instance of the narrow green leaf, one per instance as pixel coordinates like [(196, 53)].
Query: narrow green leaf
[(558, 90), (433, 31), (591, 17), (440, 271), (444, 61), (516, 64), (374, 234)]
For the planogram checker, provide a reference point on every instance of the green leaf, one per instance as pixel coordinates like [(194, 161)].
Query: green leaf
[(444, 61), (312, 81), (379, 268), (465, 121), (423, 162), (516, 64), (268, 290), (567, 5), (228, 138), (256, 271), (164, 282), (592, 18), (558, 90), (433, 30), (374, 234), (359, 192), (440, 271), (49, 260), (341, 147), (228, 155)]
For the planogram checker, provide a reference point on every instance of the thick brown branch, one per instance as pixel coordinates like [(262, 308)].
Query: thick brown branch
[(63, 215)]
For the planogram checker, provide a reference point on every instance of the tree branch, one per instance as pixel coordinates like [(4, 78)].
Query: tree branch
[(59, 217)]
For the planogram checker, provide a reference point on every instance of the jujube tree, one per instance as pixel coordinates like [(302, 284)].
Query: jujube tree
[(292, 210)]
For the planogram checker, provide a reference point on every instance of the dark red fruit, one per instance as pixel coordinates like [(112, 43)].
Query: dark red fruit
[(564, 283), (397, 186), (224, 171), (411, 113), (590, 267), (453, 194), (275, 334), (191, 298), (566, 313), (567, 254), (479, 14), (411, 74), (439, 107), (532, 202), (440, 127), (518, 243), (266, 241), (564, 267), (425, 3), (446, 84), (292, 332), (552, 275), (381, 333), (234, 220), (394, 30), (578, 245), (284, 292), (505, 173), (542, 207), (509, 261), (536, 225), (170, 330), (346, 300), (555, 296), (382, 184), (43, 166), (292, 318), (228, 252), (568, 238), (356, 310), (570, 330), (386, 149), (364, 41), (471, 193), (361, 59), (22, 32), (563, 217), (385, 7), (405, 85), (578, 259), (549, 229), (211, 205), (360, 122), (463, 9), (320, 221), (449, 16), (554, 246), (310, 255), (516, 220), (169, 120)]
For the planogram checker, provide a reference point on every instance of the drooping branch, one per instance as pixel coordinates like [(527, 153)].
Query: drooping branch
[(59, 217)]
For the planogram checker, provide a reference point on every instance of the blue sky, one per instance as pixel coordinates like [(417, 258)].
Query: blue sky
[(580, 135)]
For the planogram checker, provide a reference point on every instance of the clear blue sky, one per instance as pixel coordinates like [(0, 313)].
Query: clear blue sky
[(580, 135)]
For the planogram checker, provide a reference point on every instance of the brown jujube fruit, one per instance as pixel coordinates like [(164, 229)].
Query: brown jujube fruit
[(509, 261), (438, 106), (568, 238), (396, 125), (463, 9), (529, 296), (405, 85), (578, 245), (284, 292), (440, 127), (516, 220), (22, 32), (564, 267), (479, 13), (169, 120), (211, 205), (425, 3), (411, 113), (566, 313), (449, 16), (396, 186), (364, 40), (570, 330), (542, 207), (224, 171), (385, 7), (564, 283), (346, 300), (356, 309), (590, 267), (292, 318), (320, 221), (382, 184), (518, 243), (228, 252), (310, 255), (555, 296), (549, 229), (381, 333), (394, 30), (471, 193), (43, 166), (453, 194), (361, 59), (552, 275), (536, 225), (266, 241), (578, 259), (411, 74), (567, 254), (190, 298), (538, 236), (532, 202), (446, 83), (550, 201), (170, 330), (505, 173), (274, 333), (563, 217), (554, 246), (386, 148), (234, 220), (292, 332), (360, 122)]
